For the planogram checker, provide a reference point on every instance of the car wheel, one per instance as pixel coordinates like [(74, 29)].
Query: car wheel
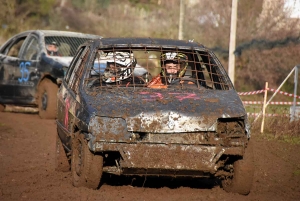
[(86, 167), (242, 179), (2, 108), (61, 160), (47, 97)]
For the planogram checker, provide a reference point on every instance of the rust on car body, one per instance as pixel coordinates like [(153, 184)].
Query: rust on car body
[(143, 118)]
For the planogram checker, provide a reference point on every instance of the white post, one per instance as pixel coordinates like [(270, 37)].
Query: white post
[(264, 109), (275, 93), (181, 17), (232, 42), (62, 3), (295, 93)]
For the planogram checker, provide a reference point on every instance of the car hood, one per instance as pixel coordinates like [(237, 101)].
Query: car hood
[(167, 111)]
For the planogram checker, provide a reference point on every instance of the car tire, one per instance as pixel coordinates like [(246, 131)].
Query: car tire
[(47, 99), (242, 179), (2, 108), (86, 167), (61, 160)]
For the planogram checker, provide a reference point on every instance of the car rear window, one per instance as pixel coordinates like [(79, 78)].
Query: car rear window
[(143, 67)]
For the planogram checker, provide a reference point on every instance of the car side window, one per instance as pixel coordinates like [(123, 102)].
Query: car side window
[(76, 74), (13, 49), (73, 64), (31, 49)]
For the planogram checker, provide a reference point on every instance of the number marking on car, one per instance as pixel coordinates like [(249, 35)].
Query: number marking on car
[(24, 71)]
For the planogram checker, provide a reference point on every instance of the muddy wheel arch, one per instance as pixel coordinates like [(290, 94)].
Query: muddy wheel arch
[(242, 179), (2, 107), (86, 167)]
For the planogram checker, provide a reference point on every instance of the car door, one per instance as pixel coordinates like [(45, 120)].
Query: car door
[(67, 98), (26, 72), (9, 62)]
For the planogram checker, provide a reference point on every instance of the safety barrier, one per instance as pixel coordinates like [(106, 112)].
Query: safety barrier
[(271, 103), (294, 113), (268, 115), (268, 89)]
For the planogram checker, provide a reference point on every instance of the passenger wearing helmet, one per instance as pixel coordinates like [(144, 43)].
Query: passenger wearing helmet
[(173, 68), (119, 67)]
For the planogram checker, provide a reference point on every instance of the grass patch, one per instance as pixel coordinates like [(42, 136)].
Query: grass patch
[(279, 128), (297, 173), (291, 140), (271, 109)]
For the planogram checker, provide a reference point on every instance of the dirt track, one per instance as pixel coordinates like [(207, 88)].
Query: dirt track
[(27, 146)]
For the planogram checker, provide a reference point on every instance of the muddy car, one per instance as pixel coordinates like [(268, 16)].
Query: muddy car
[(151, 107), (32, 67)]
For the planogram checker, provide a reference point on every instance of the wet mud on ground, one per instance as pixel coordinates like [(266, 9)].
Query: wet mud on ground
[(27, 145)]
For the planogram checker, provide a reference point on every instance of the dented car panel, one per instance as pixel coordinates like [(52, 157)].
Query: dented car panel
[(157, 116), (190, 128)]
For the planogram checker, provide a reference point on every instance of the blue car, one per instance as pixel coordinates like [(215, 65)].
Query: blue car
[(32, 66)]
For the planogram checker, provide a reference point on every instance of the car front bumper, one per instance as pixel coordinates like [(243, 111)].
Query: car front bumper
[(168, 157)]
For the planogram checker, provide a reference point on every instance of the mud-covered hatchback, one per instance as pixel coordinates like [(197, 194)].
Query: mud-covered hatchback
[(152, 107)]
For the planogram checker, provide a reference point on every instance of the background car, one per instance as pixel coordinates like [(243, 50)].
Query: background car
[(31, 67), (114, 115)]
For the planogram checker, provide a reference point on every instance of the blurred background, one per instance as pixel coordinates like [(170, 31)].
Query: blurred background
[(267, 37)]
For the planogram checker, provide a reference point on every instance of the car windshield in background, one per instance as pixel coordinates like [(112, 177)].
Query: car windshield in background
[(156, 68), (65, 46)]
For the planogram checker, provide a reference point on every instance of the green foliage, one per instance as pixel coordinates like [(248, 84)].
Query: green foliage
[(20, 15), (147, 5), (90, 5), (296, 172), (205, 21), (46, 6), (277, 128)]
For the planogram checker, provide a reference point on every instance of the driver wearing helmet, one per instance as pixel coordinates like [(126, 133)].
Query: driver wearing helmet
[(173, 68), (52, 49), (119, 68)]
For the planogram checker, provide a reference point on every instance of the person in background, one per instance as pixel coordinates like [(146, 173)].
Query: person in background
[(52, 49)]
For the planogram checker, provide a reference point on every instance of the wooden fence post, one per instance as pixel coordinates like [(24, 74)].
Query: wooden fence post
[(264, 108)]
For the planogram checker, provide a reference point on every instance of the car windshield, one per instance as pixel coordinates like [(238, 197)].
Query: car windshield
[(63, 45), (156, 68)]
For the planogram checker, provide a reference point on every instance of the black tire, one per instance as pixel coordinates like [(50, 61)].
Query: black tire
[(86, 167), (2, 108), (47, 99), (242, 179), (61, 160)]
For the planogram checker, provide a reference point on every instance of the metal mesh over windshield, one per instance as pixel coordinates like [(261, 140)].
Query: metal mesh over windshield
[(156, 68), (67, 46)]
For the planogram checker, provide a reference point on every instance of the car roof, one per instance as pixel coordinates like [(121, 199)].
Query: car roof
[(154, 42), (64, 33), (57, 33)]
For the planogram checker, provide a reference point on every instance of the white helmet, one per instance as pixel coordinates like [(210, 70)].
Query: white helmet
[(119, 66)]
